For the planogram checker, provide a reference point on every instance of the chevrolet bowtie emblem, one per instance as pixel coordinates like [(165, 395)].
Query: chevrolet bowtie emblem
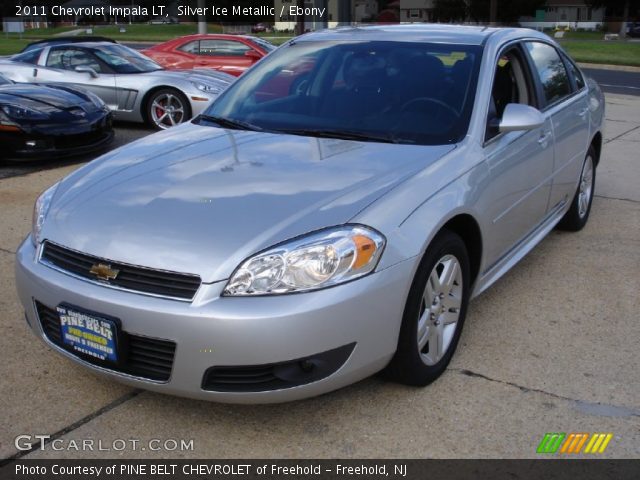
[(104, 272)]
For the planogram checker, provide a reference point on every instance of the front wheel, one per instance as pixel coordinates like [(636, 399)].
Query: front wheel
[(167, 108), (434, 313), (578, 214)]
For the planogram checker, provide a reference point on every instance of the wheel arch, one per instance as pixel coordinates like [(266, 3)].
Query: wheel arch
[(468, 229)]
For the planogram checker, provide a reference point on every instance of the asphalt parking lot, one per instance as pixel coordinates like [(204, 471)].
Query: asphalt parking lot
[(552, 347)]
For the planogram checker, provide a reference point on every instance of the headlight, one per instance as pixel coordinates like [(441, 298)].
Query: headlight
[(40, 210), (315, 261), (204, 87), (97, 101), (18, 112)]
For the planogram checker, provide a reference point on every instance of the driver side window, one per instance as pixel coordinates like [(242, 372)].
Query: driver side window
[(510, 85), (69, 59)]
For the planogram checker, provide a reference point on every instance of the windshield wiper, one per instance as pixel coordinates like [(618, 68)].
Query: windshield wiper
[(228, 123), (343, 135)]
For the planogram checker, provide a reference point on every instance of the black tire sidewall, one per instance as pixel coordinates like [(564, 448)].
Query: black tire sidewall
[(572, 220), (407, 365)]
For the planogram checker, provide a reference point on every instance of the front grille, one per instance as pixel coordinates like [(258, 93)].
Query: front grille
[(80, 140), (143, 356), (137, 279), (276, 376)]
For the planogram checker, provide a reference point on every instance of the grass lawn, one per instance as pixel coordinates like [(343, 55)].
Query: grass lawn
[(612, 52), (585, 47), (11, 45)]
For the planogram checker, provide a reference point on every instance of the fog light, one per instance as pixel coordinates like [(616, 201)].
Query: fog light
[(35, 144)]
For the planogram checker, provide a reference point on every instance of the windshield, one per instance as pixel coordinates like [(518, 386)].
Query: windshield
[(267, 46), (401, 92), (125, 60)]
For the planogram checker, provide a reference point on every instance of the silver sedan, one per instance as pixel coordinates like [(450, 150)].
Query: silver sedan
[(134, 87), (328, 217)]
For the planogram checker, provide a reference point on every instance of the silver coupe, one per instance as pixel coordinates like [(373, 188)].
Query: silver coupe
[(133, 86), (328, 217)]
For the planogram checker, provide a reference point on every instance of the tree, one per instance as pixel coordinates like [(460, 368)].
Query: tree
[(622, 8), (508, 11)]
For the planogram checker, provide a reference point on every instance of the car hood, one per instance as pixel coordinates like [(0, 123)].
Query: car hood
[(45, 98), (200, 75), (199, 200)]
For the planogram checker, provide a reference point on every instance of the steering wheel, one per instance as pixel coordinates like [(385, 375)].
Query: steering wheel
[(435, 101)]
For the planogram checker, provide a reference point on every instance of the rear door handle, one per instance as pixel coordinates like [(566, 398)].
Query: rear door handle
[(583, 112)]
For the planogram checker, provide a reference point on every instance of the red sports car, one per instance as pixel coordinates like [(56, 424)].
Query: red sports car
[(228, 53)]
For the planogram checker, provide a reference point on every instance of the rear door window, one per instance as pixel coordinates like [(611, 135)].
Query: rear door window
[(550, 70)]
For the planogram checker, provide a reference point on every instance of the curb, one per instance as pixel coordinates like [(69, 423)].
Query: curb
[(600, 66)]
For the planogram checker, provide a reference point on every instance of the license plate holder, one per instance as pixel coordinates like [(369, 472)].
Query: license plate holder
[(92, 335)]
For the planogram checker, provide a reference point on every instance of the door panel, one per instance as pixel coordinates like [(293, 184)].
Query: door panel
[(60, 68), (516, 198), (570, 122), (569, 115)]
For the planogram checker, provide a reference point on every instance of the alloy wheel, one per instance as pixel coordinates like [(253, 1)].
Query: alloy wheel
[(167, 110), (440, 309), (586, 187)]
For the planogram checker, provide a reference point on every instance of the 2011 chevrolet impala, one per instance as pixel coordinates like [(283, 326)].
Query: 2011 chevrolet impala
[(329, 216)]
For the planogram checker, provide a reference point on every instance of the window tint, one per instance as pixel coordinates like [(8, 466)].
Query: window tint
[(191, 47), (397, 91), (222, 48), (550, 70), (575, 73), (510, 85), (31, 56), (69, 59)]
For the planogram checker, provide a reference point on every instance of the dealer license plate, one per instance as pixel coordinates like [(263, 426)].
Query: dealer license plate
[(89, 334)]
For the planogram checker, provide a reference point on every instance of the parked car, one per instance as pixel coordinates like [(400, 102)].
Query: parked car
[(166, 20), (50, 42), (134, 87), (40, 122), (633, 30), (259, 28), (282, 246), (232, 54)]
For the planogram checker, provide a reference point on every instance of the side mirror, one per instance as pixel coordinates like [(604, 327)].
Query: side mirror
[(517, 117), (85, 69), (253, 55)]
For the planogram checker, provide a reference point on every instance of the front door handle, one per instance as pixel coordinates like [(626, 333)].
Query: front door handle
[(544, 138)]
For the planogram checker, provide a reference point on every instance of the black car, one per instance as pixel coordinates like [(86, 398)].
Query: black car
[(50, 42), (50, 121)]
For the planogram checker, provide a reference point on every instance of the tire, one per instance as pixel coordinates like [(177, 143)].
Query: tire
[(436, 310), (166, 108), (578, 214)]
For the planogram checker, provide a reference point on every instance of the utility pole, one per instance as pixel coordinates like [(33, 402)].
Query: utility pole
[(300, 20), (202, 20), (625, 17), (493, 13)]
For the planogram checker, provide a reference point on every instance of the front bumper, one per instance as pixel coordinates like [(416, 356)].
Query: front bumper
[(57, 141), (215, 331)]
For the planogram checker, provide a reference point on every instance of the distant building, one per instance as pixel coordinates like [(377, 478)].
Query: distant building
[(566, 13), (416, 10)]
